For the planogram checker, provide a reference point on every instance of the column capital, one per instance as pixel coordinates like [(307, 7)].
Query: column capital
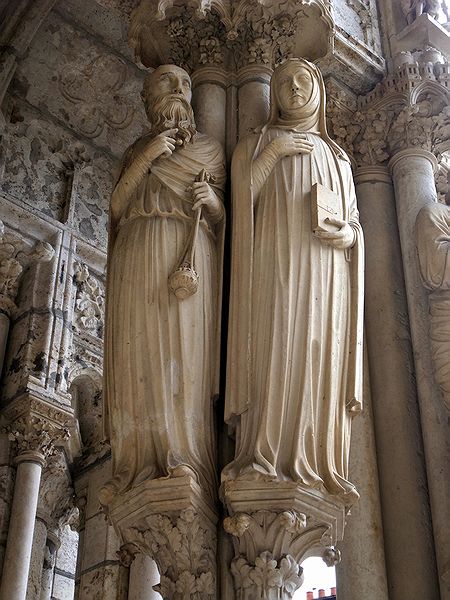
[(210, 74), (274, 526), (373, 173), (36, 439), (172, 521), (413, 152)]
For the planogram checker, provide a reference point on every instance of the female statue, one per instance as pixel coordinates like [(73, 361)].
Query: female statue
[(295, 340)]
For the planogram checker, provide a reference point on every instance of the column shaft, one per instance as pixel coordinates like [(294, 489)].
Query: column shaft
[(209, 100), (414, 184), (253, 97), (143, 576), (396, 417), (362, 571), (4, 330), (21, 529)]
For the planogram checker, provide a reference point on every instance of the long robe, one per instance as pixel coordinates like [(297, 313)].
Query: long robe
[(295, 339), (433, 246), (161, 359)]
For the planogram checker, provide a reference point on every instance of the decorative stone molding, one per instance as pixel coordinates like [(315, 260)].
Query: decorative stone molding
[(90, 88), (408, 109), (172, 521), (234, 34), (274, 526), (89, 309), (16, 255)]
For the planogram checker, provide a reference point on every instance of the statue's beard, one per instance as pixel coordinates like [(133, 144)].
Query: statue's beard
[(172, 112)]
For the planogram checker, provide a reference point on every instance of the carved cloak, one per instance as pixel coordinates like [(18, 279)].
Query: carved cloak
[(320, 457)]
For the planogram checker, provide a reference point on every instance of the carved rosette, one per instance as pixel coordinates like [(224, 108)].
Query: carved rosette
[(172, 521), (230, 34), (16, 255), (274, 527)]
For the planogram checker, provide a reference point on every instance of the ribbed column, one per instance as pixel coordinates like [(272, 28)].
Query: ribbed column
[(209, 100), (362, 571), (253, 97), (413, 176), (21, 526), (396, 417)]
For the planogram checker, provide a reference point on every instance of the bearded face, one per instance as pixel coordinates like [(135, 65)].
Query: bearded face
[(170, 111)]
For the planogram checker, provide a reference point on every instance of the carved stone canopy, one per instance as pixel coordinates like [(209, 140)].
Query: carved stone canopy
[(230, 33)]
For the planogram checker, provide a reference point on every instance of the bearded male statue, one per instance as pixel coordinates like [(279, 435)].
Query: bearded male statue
[(161, 359)]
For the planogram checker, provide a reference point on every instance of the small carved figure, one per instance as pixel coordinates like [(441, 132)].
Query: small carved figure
[(295, 341), (160, 348), (412, 9), (433, 246)]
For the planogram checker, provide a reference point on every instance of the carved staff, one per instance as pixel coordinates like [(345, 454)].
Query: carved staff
[(184, 280)]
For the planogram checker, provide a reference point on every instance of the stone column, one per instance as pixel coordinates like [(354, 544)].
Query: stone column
[(35, 440), (253, 97), (37, 561), (21, 526), (413, 176), (48, 570), (362, 571), (143, 576), (209, 99), (396, 417)]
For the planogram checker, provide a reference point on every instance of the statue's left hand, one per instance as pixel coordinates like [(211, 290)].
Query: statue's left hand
[(204, 196), (341, 239)]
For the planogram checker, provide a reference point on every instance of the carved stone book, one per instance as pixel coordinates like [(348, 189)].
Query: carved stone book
[(324, 204)]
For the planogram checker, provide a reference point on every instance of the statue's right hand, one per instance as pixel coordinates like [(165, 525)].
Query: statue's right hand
[(161, 145), (290, 144)]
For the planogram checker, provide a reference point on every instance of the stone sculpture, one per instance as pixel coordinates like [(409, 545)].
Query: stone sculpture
[(412, 9), (161, 360), (295, 340), (433, 246)]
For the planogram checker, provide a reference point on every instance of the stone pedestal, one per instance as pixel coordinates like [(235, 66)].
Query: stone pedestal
[(275, 526), (173, 522)]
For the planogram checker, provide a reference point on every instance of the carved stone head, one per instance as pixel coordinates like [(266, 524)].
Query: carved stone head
[(167, 98)]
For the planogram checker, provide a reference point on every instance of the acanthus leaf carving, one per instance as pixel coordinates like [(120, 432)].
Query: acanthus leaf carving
[(184, 549), (272, 579), (35, 435)]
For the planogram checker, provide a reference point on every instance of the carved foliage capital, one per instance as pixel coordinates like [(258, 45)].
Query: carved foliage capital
[(36, 436), (266, 578), (183, 546)]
